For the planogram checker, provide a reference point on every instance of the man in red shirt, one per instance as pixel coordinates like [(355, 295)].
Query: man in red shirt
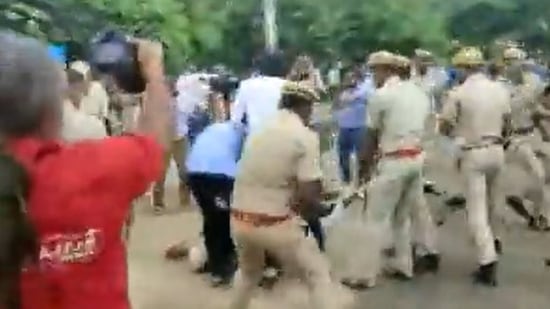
[(80, 193)]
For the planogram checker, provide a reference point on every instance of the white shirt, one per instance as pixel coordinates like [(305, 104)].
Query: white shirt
[(78, 125), (96, 103), (258, 98), (193, 91)]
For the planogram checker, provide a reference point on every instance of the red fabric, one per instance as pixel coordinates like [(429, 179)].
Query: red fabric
[(80, 196)]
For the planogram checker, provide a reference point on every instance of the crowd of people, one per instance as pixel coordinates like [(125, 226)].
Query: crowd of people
[(77, 152)]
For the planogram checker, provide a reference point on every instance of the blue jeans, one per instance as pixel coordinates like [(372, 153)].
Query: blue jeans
[(349, 141)]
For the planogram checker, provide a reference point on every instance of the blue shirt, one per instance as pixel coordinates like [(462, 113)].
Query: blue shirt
[(216, 150), (353, 114)]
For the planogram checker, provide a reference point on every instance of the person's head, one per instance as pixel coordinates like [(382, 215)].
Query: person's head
[(423, 59), (77, 86), (383, 66), (513, 55), (302, 68), (272, 63), (32, 88), (468, 61), (350, 79), (404, 67), (84, 69), (299, 99), (495, 69)]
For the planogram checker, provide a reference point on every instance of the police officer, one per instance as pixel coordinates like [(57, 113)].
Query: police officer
[(424, 230), (279, 175), (521, 146), (478, 112), (397, 117)]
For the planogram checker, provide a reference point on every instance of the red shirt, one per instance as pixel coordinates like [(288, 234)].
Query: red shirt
[(80, 197)]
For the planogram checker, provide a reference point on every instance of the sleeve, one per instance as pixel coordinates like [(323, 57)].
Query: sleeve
[(238, 110), (309, 163), (126, 165), (449, 111), (375, 112)]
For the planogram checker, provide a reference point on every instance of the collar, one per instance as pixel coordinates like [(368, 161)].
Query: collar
[(28, 150), (392, 80)]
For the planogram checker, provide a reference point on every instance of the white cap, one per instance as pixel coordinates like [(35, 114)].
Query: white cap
[(80, 66)]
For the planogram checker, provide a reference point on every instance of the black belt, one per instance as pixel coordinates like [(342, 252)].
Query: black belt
[(524, 131), (486, 141)]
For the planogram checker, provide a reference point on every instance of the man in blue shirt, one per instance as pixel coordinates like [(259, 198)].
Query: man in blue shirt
[(211, 167), (351, 118)]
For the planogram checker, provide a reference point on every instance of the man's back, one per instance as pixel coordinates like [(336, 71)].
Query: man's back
[(270, 164), (257, 98), (478, 107), (400, 111)]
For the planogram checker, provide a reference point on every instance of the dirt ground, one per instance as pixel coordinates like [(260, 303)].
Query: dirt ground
[(524, 280)]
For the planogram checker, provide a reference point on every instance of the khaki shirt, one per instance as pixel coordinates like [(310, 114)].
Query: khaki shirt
[(78, 125), (399, 111), (477, 108), (523, 104), (96, 103), (274, 159)]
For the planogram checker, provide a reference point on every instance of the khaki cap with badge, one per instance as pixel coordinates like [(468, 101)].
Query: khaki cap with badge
[(382, 58), (402, 61), (514, 53), (424, 56), (299, 90), (468, 56)]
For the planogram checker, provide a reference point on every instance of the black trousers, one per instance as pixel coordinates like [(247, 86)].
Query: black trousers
[(213, 194)]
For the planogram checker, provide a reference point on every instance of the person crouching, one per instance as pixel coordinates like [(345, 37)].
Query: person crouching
[(211, 167)]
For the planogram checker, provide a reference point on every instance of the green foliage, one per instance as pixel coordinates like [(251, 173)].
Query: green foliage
[(205, 32)]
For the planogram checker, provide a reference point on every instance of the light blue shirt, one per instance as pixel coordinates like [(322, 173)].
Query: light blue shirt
[(216, 150), (353, 114)]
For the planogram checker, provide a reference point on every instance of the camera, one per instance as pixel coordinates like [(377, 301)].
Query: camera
[(113, 53), (225, 84)]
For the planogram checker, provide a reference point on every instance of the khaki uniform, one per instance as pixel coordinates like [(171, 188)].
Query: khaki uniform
[(398, 111), (521, 150), (177, 152), (477, 107), (273, 159)]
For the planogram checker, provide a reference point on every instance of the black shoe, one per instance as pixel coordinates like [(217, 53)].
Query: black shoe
[(486, 275), (389, 252), (456, 202), (427, 264), (498, 246), (397, 275), (516, 203)]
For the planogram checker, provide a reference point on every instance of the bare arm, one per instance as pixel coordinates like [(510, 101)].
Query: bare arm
[(155, 115)]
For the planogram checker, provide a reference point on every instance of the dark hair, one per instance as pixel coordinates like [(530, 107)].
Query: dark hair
[(17, 237), (272, 64), (74, 77), (546, 91), (289, 101)]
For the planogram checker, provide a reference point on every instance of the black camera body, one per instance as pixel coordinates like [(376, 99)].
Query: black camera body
[(224, 84), (113, 53)]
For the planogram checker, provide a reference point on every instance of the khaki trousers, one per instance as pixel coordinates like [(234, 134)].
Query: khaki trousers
[(481, 170), (395, 190), (521, 153), (177, 152), (287, 243)]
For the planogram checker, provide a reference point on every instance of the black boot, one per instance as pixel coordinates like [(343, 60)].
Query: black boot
[(486, 275), (427, 264), (498, 246)]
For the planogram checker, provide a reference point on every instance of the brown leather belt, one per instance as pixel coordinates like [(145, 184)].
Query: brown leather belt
[(258, 219), (524, 131), (486, 142), (404, 153)]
